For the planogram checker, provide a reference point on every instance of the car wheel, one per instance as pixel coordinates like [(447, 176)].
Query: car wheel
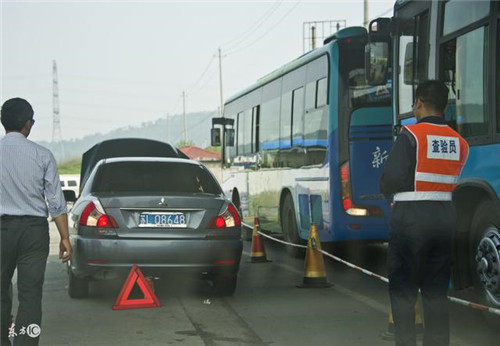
[(224, 284), (77, 288), (289, 227), (485, 253)]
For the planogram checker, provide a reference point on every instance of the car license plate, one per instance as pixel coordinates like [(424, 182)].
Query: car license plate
[(152, 219)]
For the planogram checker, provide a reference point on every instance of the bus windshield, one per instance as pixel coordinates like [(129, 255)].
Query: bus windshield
[(360, 93)]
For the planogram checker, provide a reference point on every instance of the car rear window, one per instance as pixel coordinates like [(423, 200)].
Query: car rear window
[(154, 177)]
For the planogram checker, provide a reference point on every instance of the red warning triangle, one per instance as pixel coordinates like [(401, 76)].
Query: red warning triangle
[(149, 301)]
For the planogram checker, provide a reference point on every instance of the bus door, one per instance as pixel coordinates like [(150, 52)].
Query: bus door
[(368, 126)]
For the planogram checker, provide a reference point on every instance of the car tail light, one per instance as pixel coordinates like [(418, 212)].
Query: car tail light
[(229, 218), (347, 203), (94, 216)]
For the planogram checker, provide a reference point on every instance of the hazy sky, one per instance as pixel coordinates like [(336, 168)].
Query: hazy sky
[(121, 63)]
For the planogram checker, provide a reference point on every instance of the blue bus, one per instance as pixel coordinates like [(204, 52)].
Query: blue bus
[(458, 42), (310, 139)]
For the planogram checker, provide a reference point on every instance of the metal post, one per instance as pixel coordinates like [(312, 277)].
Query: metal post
[(366, 17), (313, 37), (184, 115), (220, 84)]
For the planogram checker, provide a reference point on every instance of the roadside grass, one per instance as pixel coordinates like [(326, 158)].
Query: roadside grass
[(70, 167)]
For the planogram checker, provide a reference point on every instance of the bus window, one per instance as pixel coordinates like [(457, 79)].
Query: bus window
[(465, 73), (322, 93), (315, 122), (360, 92), (243, 139), (413, 60), (459, 14), (269, 116), (298, 117), (255, 128), (286, 121)]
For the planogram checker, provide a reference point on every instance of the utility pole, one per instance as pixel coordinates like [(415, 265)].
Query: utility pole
[(366, 17), (313, 37), (184, 115), (220, 84), (168, 130), (56, 120)]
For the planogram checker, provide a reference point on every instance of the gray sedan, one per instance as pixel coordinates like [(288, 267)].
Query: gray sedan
[(158, 213)]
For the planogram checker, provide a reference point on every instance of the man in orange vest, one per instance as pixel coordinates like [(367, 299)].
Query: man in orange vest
[(421, 172)]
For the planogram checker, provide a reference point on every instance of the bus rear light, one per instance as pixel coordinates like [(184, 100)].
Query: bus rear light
[(349, 207)]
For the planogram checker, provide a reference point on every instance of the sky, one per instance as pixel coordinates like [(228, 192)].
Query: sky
[(122, 63)]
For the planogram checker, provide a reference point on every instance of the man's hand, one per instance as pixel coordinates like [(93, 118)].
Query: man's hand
[(65, 250)]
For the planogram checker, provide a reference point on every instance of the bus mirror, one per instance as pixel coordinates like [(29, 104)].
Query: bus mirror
[(376, 62), (215, 140), (380, 26), (230, 137)]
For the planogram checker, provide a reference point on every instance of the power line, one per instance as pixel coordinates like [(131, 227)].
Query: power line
[(267, 31), (203, 74), (251, 30)]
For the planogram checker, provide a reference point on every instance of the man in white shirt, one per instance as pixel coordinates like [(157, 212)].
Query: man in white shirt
[(30, 190)]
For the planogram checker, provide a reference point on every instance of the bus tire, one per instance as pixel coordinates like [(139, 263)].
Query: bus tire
[(289, 227), (485, 255)]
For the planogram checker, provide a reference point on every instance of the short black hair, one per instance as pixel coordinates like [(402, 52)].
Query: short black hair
[(434, 94), (15, 113)]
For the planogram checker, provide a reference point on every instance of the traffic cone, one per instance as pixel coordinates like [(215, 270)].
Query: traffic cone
[(419, 326), (314, 269), (257, 253)]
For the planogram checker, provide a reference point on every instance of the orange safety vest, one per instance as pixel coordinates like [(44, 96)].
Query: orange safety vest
[(441, 155)]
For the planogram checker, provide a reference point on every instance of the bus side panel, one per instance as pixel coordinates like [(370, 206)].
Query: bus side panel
[(312, 201), (483, 164)]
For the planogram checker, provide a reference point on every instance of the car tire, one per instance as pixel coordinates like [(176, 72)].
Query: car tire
[(485, 255), (290, 230), (77, 287), (224, 284)]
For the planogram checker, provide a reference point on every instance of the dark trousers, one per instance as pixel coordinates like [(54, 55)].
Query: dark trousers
[(419, 257), (25, 245)]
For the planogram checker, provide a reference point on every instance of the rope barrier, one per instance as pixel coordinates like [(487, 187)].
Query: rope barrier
[(384, 279)]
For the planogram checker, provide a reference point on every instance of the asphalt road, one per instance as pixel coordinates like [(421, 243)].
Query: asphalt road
[(267, 308)]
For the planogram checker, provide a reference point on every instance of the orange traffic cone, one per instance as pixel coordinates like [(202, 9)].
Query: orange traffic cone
[(419, 326), (314, 269), (257, 253)]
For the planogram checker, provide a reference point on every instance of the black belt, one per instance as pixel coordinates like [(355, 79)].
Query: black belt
[(22, 217)]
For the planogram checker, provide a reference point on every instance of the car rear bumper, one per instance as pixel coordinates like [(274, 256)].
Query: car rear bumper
[(92, 256)]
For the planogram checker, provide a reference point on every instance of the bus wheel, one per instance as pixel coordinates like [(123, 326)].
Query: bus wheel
[(289, 227), (485, 257)]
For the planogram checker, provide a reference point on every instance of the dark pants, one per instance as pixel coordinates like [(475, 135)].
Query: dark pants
[(25, 245), (420, 257)]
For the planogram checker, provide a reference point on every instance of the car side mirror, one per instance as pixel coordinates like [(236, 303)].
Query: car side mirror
[(69, 195)]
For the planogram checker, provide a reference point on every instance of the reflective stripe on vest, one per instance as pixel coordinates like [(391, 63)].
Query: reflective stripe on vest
[(441, 154)]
